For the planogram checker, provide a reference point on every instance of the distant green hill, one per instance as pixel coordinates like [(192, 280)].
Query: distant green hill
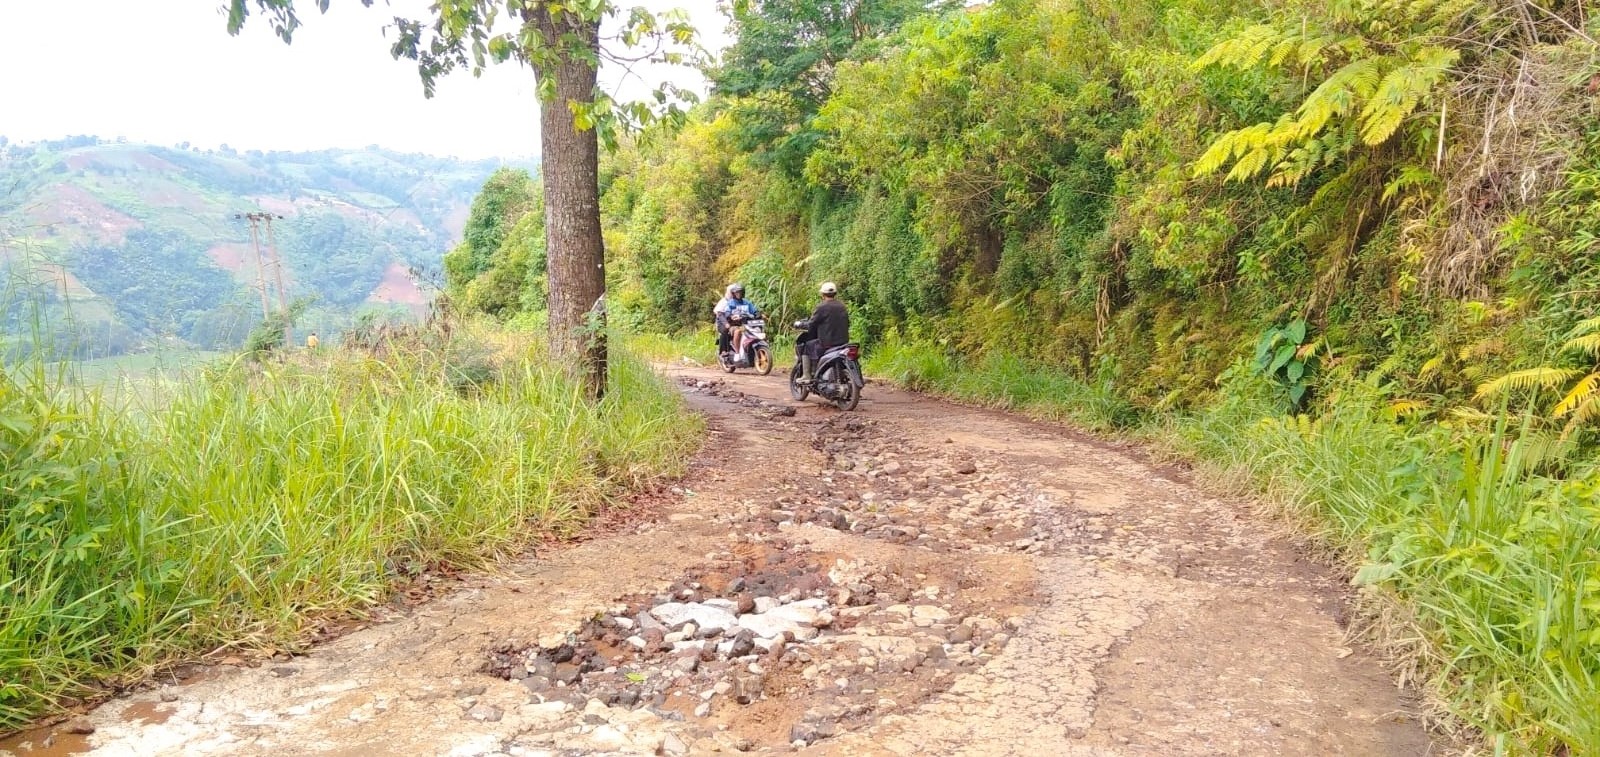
[(119, 247)]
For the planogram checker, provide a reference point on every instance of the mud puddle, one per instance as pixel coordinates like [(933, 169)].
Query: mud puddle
[(72, 737)]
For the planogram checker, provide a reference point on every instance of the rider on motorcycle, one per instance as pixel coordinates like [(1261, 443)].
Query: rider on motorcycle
[(828, 327), (730, 310)]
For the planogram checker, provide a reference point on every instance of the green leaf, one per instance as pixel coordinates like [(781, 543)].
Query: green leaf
[(1297, 370), (1375, 573), (1296, 331), (1285, 354), (1264, 347)]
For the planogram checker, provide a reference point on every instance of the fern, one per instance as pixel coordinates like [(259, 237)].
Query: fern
[(1411, 177), (1364, 101), (1588, 344), (1470, 415), (1532, 378), (1401, 91), (1242, 52), (1405, 408), (1585, 413), (1586, 326), (1431, 366), (1580, 393)]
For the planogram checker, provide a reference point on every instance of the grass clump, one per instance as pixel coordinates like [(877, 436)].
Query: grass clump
[(238, 507)]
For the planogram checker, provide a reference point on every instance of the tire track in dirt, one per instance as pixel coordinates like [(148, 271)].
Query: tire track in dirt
[(912, 578)]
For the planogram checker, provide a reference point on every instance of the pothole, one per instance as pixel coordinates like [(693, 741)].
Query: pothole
[(767, 647), (720, 389)]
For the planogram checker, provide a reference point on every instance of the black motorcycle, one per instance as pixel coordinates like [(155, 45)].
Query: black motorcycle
[(836, 377)]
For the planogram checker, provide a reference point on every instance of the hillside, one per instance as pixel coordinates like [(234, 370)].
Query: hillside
[(134, 244)]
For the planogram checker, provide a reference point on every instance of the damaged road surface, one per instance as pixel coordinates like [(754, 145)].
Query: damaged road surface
[(912, 578)]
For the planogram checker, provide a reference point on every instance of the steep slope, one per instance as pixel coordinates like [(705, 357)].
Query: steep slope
[(134, 243)]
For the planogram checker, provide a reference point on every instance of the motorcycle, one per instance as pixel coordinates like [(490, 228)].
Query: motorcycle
[(836, 376), (752, 350)]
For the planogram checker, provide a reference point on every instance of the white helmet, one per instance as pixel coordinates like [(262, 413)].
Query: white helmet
[(829, 288)]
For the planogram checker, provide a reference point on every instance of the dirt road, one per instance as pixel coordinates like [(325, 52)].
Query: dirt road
[(912, 578)]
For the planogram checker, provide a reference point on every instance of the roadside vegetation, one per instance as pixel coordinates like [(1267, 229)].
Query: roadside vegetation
[(242, 507)]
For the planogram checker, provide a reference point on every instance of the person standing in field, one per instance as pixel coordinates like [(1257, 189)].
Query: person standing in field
[(312, 341)]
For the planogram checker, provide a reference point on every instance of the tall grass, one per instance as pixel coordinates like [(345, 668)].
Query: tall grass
[(1003, 381), (238, 507), (1480, 574), (1496, 567), (700, 345)]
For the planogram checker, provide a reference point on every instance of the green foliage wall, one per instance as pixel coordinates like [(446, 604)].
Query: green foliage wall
[(1153, 183)]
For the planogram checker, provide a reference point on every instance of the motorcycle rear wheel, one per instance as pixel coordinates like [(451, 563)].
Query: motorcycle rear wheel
[(849, 393), (798, 392)]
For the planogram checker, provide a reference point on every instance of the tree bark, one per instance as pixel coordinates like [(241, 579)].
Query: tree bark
[(570, 164)]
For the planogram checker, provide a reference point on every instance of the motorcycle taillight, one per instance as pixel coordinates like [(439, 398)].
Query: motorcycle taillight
[(854, 352)]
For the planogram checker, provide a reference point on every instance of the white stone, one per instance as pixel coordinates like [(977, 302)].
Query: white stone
[(546, 711), (723, 604), (795, 618), (676, 614), (930, 612), (552, 640)]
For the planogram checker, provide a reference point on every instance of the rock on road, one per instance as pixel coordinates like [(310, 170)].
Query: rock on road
[(912, 578)]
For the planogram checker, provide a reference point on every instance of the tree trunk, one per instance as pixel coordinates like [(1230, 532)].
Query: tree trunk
[(570, 163)]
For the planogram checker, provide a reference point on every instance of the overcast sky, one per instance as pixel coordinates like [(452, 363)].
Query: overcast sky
[(166, 71)]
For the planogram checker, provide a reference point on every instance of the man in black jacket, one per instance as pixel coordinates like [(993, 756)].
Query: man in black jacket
[(830, 327)]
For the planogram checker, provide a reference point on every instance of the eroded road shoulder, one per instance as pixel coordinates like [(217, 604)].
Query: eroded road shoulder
[(912, 578)]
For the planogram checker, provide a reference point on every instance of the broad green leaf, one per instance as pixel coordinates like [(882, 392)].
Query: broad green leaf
[(1296, 331), (1285, 354)]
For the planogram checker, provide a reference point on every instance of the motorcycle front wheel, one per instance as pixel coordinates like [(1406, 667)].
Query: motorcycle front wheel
[(763, 363)]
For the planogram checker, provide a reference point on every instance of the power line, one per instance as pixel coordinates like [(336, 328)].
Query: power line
[(269, 256)]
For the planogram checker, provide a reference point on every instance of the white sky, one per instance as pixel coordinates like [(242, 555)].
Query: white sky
[(166, 71)]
